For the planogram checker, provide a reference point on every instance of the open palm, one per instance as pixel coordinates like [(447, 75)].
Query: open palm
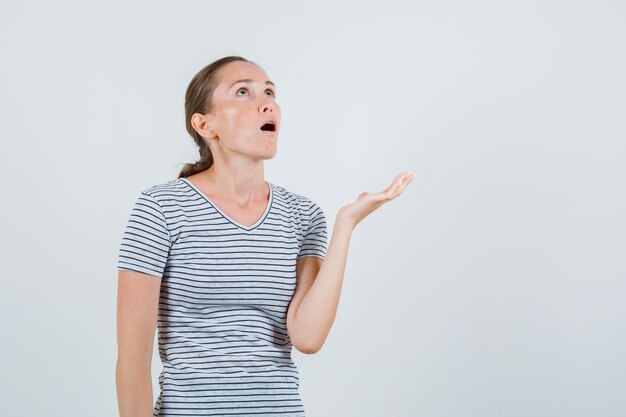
[(366, 202)]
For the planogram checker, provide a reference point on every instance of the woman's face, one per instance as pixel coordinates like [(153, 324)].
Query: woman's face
[(240, 108)]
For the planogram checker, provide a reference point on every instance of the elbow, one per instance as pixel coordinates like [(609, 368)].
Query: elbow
[(306, 343), (309, 351), (309, 348)]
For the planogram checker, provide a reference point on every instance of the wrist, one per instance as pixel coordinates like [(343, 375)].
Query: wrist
[(343, 221)]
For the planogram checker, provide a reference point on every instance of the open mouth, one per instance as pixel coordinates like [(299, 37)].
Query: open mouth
[(268, 127)]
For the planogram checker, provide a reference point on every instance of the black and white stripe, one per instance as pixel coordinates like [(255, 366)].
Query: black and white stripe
[(225, 291)]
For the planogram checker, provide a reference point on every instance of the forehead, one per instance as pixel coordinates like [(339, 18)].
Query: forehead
[(238, 70)]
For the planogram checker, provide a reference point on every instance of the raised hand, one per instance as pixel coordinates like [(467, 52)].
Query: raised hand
[(366, 202)]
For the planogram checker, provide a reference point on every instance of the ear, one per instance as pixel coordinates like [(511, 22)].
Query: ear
[(203, 125)]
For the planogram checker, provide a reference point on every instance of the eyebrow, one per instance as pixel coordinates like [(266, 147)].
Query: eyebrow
[(248, 80)]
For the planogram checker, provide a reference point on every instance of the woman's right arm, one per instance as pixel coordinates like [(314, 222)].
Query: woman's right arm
[(137, 310)]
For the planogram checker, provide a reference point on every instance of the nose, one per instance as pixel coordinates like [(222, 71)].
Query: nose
[(267, 105)]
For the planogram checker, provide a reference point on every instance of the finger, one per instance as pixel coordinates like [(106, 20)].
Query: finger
[(396, 187), (406, 180), (396, 181), (403, 179), (402, 182)]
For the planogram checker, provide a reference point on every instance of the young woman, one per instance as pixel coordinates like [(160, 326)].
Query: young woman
[(233, 269)]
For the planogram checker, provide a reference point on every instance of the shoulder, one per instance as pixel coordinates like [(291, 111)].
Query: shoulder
[(297, 201), (167, 192), (168, 198), (165, 202), (164, 187)]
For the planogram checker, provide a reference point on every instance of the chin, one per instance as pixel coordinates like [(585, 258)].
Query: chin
[(270, 153)]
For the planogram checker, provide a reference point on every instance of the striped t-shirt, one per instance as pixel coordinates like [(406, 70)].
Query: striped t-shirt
[(225, 290)]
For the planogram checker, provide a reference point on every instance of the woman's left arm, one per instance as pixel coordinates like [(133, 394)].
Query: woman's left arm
[(314, 304)]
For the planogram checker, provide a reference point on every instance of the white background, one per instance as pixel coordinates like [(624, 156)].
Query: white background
[(494, 286)]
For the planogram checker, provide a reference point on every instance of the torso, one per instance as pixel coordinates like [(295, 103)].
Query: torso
[(225, 293)]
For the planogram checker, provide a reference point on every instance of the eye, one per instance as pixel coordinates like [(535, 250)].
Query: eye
[(273, 94)]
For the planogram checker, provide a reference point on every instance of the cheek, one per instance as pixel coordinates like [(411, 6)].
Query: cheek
[(228, 120), (229, 116), (235, 117)]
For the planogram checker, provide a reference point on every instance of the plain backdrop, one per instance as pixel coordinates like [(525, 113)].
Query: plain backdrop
[(494, 286)]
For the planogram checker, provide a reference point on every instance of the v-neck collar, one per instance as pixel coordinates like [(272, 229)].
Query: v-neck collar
[(226, 216)]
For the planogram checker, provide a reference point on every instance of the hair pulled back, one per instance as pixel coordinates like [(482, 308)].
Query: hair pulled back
[(198, 99)]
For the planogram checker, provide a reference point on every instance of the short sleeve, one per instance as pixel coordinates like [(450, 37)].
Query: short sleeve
[(146, 240), (315, 238)]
